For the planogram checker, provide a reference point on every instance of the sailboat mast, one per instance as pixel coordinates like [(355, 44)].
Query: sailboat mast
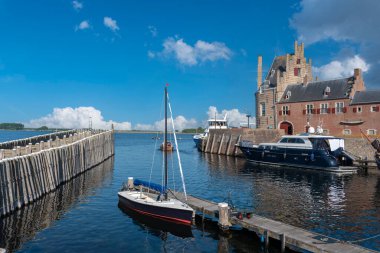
[(165, 144)]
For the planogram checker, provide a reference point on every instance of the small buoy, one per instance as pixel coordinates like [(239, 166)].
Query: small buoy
[(248, 215), (240, 216)]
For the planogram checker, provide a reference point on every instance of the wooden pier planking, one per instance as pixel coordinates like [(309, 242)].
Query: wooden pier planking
[(294, 236)]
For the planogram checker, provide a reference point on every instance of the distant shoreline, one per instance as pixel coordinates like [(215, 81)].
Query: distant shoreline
[(144, 132), (116, 131)]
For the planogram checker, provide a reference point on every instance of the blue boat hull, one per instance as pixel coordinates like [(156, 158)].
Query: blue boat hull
[(305, 158), (198, 142)]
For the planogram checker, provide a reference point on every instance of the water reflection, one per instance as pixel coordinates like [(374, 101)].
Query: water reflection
[(343, 206), (23, 224), (157, 227)]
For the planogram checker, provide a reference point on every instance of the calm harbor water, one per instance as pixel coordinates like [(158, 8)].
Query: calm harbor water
[(83, 215)]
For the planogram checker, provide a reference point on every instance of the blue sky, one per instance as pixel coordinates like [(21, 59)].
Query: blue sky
[(112, 58)]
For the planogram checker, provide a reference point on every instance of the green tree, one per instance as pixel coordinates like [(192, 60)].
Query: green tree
[(11, 126)]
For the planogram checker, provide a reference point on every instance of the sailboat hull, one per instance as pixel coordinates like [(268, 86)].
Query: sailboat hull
[(171, 210)]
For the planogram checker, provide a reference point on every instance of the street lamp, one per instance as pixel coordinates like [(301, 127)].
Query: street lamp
[(248, 115)]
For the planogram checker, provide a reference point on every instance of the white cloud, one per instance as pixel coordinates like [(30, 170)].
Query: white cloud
[(153, 31), (192, 55), (351, 23), (151, 54), (344, 68), (85, 24), (234, 117), (79, 117), (180, 123), (77, 5), (111, 23)]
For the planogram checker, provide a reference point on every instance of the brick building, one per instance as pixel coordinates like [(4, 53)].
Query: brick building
[(288, 99)]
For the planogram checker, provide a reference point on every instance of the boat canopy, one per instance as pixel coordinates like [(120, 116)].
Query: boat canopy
[(336, 143), (153, 186)]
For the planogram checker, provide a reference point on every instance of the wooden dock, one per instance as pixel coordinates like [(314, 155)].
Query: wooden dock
[(290, 236)]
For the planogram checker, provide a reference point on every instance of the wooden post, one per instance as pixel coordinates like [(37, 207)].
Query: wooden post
[(283, 242), (130, 183), (221, 144), (223, 221), (42, 145), (14, 152), (207, 143), (229, 145), (212, 144), (235, 148)]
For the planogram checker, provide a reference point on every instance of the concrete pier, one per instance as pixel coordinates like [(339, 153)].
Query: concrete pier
[(32, 167)]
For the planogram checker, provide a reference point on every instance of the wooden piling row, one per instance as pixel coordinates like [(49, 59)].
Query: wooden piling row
[(36, 170), (221, 144), (36, 139), (23, 224)]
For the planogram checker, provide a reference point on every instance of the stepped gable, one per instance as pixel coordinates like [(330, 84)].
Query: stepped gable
[(366, 97), (278, 65), (316, 91)]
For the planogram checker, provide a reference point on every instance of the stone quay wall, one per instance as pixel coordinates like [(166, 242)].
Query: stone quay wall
[(359, 147), (223, 142), (28, 172)]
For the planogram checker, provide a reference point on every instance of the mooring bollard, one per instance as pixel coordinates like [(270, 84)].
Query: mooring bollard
[(130, 183), (266, 238), (223, 222), (18, 150)]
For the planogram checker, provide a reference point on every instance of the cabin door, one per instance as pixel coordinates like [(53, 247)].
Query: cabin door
[(288, 127)]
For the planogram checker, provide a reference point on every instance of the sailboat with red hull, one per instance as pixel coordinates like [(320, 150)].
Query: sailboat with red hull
[(157, 203)]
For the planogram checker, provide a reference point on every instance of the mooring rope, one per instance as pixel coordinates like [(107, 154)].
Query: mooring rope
[(364, 239)]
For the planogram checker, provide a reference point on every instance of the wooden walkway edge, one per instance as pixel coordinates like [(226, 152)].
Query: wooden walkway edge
[(290, 236)]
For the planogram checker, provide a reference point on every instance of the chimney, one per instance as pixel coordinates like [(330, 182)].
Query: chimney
[(259, 71), (358, 80), (302, 54), (295, 47), (358, 73), (305, 80)]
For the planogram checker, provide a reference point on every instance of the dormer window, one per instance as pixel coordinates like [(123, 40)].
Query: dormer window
[(288, 94), (327, 91)]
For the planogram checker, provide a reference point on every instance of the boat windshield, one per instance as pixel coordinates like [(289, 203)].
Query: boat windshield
[(319, 143), (217, 123)]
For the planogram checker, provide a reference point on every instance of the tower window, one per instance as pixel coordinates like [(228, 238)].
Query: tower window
[(297, 72)]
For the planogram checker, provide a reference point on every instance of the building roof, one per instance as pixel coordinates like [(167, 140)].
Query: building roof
[(278, 65), (319, 90), (366, 97)]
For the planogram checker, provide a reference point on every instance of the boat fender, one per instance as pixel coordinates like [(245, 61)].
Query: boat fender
[(240, 216), (284, 155), (262, 154), (312, 157)]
